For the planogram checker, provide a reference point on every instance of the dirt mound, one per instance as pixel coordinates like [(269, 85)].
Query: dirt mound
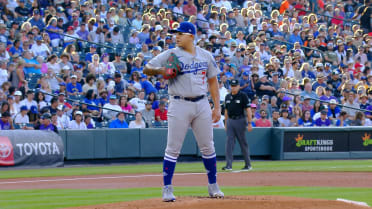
[(233, 202)]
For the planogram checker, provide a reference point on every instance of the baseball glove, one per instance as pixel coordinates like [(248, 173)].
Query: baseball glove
[(173, 67)]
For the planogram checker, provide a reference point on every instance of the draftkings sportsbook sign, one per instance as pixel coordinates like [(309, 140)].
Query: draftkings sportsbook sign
[(30, 148), (316, 142)]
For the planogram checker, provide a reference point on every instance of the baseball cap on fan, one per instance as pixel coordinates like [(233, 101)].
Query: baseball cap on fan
[(185, 27)]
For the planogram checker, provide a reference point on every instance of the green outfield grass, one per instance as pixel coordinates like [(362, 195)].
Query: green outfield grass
[(58, 198), (313, 165)]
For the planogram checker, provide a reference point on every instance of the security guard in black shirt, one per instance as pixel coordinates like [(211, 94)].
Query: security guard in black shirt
[(236, 123)]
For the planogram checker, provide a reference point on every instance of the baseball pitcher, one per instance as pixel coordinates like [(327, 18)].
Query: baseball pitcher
[(191, 70)]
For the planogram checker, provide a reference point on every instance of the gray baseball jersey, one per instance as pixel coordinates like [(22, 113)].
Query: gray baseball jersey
[(195, 71), (191, 82)]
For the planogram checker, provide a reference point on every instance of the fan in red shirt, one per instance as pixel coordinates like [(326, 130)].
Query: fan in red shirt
[(337, 18), (263, 121), (161, 112), (190, 9)]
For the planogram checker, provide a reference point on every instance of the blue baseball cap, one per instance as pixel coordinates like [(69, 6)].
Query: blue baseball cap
[(113, 96), (39, 38), (246, 73), (24, 107), (33, 109), (185, 27)]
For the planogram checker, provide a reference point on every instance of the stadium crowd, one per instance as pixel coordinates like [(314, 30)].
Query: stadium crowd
[(78, 64)]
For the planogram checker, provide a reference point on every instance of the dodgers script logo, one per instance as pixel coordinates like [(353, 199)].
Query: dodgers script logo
[(5, 150), (194, 67)]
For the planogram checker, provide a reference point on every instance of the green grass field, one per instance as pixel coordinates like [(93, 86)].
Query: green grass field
[(311, 165), (58, 198)]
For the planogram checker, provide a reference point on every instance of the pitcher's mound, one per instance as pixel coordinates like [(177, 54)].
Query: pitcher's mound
[(233, 202)]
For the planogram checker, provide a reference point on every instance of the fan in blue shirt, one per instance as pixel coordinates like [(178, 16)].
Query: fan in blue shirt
[(323, 120), (119, 122), (74, 87)]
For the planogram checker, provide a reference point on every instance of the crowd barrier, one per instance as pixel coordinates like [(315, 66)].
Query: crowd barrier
[(273, 143), (41, 148), (148, 143)]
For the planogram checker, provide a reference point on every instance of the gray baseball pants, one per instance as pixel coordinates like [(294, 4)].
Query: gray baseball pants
[(236, 129), (183, 114)]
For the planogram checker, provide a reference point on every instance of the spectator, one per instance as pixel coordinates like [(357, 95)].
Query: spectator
[(120, 84), (119, 122), (334, 110), (88, 122), (190, 9), (125, 106), (106, 66), (6, 121), (305, 120), (154, 100), (22, 117), (46, 123), (82, 32), (323, 120), (161, 83), (148, 113), (138, 103), (263, 121), (319, 81), (29, 100), (62, 119), (147, 85), (110, 114), (264, 87), (138, 123), (53, 32), (90, 80), (161, 112), (120, 65), (284, 119), (53, 106), (309, 93), (275, 118), (74, 88), (77, 123), (90, 98), (350, 102), (39, 48)]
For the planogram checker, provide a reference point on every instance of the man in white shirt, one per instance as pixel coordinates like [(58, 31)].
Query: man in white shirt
[(17, 100), (22, 117), (3, 72), (78, 122), (39, 48), (223, 91), (29, 101), (138, 103), (62, 119), (110, 114)]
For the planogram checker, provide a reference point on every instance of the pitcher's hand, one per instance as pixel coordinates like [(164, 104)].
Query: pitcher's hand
[(216, 115)]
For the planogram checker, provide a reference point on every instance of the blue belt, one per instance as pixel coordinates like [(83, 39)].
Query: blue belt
[(190, 99)]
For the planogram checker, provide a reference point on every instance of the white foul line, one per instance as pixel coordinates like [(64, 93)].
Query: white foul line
[(96, 178)]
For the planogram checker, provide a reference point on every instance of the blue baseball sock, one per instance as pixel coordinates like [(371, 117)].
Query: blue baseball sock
[(169, 164), (210, 166)]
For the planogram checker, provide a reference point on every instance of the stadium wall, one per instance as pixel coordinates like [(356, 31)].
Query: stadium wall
[(275, 143)]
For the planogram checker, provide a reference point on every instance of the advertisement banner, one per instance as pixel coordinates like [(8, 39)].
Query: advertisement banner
[(361, 141), (31, 148), (316, 142)]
